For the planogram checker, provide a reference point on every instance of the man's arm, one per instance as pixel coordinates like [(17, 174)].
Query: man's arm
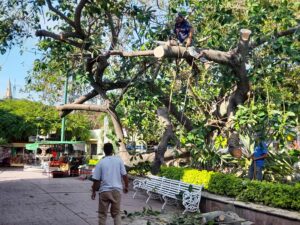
[(125, 179), (261, 157), (190, 37), (95, 187)]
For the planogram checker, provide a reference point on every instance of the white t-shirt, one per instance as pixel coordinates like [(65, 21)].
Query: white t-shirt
[(109, 171)]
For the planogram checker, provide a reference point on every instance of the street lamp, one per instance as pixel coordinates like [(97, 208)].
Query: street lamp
[(37, 128)]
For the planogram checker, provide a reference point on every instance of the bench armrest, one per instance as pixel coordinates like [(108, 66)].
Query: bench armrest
[(191, 200)]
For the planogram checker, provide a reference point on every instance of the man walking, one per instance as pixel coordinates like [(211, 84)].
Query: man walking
[(108, 175)]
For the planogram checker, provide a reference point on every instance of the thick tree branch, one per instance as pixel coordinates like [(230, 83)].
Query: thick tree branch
[(168, 134), (114, 34), (45, 33), (217, 56), (239, 67), (80, 100), (95, 108), (66, 35), (77, 18), (60, 14), (131, 54)]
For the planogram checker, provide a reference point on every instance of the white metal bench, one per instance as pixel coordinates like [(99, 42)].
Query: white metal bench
[(167, 189)]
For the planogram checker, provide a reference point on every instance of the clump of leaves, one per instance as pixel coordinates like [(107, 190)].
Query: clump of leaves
[(145, 212), (140, 169), (186, 219)]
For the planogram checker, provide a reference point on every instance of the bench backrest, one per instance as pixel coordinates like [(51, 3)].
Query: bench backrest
[(153, 183), (169, 187)]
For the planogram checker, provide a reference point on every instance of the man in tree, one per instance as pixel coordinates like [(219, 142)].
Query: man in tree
[(258, 158), (108, 175), (184, 33)]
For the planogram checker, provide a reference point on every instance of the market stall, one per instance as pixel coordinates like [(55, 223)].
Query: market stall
[(60, 158)]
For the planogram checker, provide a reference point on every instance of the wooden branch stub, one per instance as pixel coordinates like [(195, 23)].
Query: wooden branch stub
[(171, 52), (130, 54), (245, 34), (95, 108)]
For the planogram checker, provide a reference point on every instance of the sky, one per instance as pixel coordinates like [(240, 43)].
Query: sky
[(15, 66)]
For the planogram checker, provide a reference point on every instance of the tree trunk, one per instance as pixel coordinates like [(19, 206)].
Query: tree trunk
[(162, 146), (123, 153)]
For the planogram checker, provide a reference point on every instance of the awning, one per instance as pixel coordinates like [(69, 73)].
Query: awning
[(35, 146)]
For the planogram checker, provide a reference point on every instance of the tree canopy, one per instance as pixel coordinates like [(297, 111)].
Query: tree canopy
[(107, 49), (22, 118)]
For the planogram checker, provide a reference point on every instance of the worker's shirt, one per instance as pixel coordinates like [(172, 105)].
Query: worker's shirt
[(182, 30), (110, 171), (259, 151)]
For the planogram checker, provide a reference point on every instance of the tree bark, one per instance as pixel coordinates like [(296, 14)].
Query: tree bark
[(95, 108), (123, 153), (168, 134)]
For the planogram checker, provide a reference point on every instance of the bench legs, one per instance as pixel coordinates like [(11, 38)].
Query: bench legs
[(135, 193), (165, 202), (149, 194)]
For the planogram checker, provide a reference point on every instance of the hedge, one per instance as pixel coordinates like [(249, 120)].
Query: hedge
[(266, 193)]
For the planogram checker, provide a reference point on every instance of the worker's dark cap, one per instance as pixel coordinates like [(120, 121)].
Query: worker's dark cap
[(180, 15)]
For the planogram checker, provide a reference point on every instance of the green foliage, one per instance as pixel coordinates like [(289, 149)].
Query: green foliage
[(143, 213), (186, 219), (21, 119), (140, 169), (225, 184), (209, 159), (3, 141), (199, 177), (267, 193), (93, 162), (276, 195), (279, 164), (273, 68), (140, 121), (175, 173)]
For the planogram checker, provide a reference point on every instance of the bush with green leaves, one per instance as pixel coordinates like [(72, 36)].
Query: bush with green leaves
[(226, 184), (271, 194), (266, 193), (172, 172)]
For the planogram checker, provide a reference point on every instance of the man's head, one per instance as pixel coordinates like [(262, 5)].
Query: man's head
[(108, 148), (179, 18), (258, 136)]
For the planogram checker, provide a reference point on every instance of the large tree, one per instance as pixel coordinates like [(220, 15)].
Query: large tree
[(250, 42)]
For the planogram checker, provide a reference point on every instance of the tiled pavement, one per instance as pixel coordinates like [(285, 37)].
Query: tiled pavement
[(29, 197)]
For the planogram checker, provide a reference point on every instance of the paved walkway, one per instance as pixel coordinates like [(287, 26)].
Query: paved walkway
[(29, 197)]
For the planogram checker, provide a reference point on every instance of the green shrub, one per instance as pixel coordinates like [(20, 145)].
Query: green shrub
[(271, 194), (174, 173), (188, 175), (267, 193), (226, 184), (93, 162), (198, 177)]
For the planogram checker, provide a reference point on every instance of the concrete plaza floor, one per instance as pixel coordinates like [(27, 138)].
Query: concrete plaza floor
[(29, 197)]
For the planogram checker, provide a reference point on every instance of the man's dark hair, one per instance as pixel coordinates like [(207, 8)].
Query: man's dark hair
[(108, 148), (180, 15)]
